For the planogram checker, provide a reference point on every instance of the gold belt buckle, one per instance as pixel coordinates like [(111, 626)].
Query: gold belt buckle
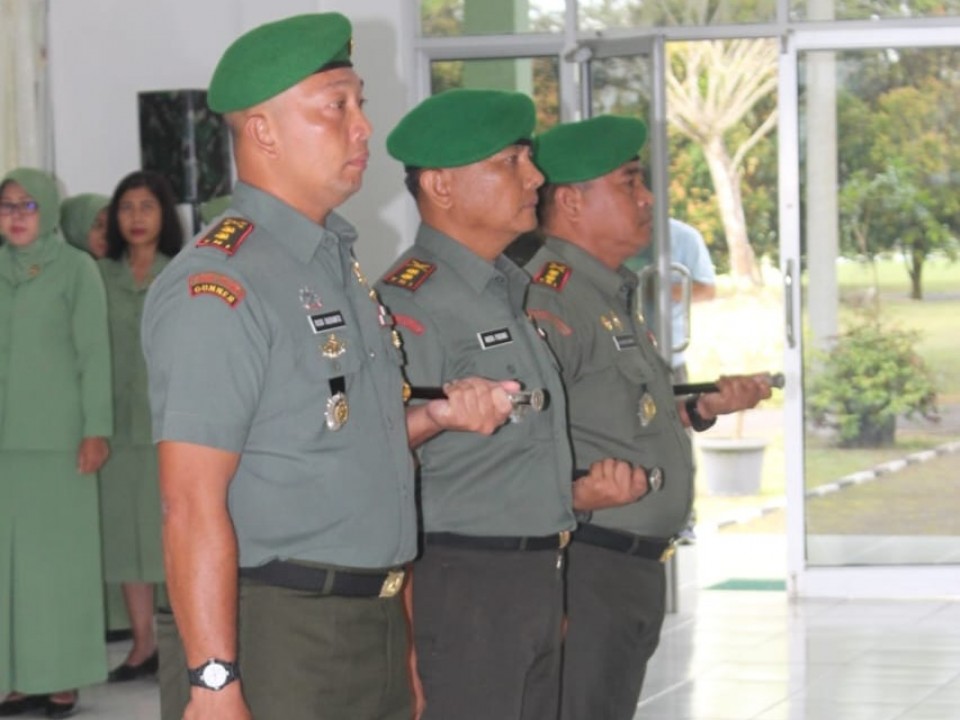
[(668, 552), (392, 583), (564, 538)]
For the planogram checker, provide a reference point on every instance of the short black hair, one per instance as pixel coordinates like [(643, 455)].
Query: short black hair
[(412, 180), (171, 231)]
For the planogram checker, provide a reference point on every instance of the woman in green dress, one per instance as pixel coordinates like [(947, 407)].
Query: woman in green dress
[(55, 416), (83, 220), (143, 233)]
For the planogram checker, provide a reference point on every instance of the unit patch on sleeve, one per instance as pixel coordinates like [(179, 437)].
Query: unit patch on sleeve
[(494, 338), (227, 235), (411, 275), (221, 286), (554, 275)]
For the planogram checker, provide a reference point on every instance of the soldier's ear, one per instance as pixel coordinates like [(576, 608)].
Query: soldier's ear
[(569, 201), (257, 128), (435, 185)]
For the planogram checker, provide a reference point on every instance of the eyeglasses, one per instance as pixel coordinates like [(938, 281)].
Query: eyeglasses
[(27, 207)]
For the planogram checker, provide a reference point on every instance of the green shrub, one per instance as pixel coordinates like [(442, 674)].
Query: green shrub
[(870, 375)]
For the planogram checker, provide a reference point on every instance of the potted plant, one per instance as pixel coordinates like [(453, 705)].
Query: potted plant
[(732, 465), (870, 375)]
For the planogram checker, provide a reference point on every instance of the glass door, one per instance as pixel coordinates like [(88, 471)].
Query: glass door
[(876, 282)]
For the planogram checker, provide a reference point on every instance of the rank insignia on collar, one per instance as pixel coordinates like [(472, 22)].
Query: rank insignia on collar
[(554, 275), (221, 286), (411, 275), (227, 235)]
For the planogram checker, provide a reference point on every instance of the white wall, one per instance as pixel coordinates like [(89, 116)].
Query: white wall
[(103, 52)]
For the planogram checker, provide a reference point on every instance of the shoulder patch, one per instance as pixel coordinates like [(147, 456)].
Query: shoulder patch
[(221, 286), (411, 275), (554, 275), (227, 235)]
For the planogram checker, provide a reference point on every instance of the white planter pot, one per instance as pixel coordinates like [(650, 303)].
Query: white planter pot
[(732, 466)]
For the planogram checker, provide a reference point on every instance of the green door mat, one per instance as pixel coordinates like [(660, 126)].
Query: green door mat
[(750, 584)]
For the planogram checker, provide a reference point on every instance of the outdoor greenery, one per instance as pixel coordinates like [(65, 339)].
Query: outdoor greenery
[(871, 375)]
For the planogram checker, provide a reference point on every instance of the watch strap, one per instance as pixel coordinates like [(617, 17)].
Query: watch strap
[(697, 421)]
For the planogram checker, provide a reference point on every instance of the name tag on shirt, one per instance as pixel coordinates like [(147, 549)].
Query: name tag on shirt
[(624, 341), (324, 322), (494, 338)]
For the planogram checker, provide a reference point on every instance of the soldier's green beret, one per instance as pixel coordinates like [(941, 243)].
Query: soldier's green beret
[(460, 127), (580, 151), (276, 56)]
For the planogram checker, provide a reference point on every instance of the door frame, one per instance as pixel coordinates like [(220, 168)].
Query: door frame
[(900, 581)]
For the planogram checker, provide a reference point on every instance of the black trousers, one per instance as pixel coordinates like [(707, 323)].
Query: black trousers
[(615, 609), (487, 627), (305, 656)]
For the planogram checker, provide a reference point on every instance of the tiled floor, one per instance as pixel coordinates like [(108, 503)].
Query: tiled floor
[(733, 655)]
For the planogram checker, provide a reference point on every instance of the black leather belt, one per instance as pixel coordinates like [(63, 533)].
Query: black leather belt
[(326, 581), (627, 543), (498, 542)]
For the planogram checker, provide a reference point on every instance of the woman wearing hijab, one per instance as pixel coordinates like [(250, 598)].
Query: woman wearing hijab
[(83, 220), (143, 233), (55, 417)]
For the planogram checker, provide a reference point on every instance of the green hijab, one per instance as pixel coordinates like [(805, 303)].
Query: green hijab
[(77, 214), (42, 187)]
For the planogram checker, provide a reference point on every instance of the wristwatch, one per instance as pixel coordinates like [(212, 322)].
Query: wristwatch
[(696, 419), (214, 674)]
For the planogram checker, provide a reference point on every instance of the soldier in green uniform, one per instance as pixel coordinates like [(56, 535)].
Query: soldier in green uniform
[(276, 396), (83, 220), (497, 512), (143, 233), (595, 213), (55, 416)]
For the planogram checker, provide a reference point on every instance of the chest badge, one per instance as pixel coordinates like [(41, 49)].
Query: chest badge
[(611, 322), (647, 409), (337, 412), (333, 347), (309, 299)]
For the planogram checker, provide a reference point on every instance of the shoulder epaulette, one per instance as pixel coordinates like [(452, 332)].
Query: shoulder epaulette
[(227, 235), (553, 274), (411, 275)]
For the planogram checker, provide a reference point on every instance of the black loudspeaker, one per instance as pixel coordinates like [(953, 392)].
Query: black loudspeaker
[(182, 139)]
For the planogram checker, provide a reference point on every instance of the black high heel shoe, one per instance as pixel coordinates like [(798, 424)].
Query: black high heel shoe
[(22, 704), (55, 709), (125, 672)]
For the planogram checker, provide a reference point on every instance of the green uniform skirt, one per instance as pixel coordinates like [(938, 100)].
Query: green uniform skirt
[(51, 591), (130, 516)]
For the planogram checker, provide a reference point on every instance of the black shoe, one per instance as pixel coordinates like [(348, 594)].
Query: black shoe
[(125, 673), (20, 705), (118, 636), (60, 709)]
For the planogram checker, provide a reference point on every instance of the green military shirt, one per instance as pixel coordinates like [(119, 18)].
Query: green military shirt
[(459, 316), (247, 335), (619, 390), (131, 407), (54, 349)]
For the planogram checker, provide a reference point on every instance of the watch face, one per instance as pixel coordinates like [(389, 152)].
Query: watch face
[(214, 675)]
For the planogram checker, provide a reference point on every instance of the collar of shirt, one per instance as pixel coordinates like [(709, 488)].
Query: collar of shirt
[(619, 283), (475, 272), (290, 228)]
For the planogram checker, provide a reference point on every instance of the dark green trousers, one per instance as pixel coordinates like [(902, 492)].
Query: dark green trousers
[(615, 609), (307, 657)]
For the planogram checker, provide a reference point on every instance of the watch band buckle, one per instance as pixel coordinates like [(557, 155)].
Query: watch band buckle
[(392, 584)]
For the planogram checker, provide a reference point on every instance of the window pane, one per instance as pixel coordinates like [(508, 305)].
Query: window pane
[(538, 77), (608, 14), (444, 18), (881, 236), (871, 9)]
